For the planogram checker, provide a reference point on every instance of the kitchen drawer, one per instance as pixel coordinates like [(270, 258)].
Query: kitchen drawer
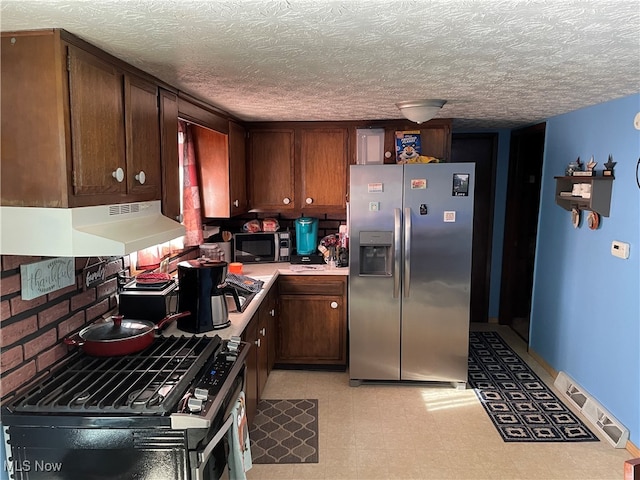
[(312, 285)]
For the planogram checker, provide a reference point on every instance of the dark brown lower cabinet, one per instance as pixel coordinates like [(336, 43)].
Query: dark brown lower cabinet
[(312, 320), (269, 310), (251, 379), (258, 333)]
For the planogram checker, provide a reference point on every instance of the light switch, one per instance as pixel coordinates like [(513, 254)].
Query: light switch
[(374, 206), (620, 249)]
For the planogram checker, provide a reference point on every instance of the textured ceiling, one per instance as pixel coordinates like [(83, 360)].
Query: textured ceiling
[(498, 63)]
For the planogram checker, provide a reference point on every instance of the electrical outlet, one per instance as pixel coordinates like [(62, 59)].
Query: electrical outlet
[(620, 249)]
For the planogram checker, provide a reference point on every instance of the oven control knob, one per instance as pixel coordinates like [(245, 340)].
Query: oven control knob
[(194, 404), (201, 393)]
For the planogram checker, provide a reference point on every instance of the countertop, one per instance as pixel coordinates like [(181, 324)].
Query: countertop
[(268, 273)]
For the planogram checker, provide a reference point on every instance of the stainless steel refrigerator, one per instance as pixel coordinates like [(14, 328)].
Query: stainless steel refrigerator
[(410, 242)]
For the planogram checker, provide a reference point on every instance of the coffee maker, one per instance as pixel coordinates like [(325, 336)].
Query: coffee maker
[(306, 241), (202, 291)]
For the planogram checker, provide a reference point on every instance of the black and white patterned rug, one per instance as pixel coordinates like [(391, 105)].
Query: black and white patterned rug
[(520, 405), (285, 431)]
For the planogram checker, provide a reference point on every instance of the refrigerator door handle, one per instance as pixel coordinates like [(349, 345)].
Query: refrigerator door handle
[(406, 284), (397, 235)]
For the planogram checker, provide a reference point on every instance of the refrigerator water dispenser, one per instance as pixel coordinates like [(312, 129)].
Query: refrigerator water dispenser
[(376, 253)]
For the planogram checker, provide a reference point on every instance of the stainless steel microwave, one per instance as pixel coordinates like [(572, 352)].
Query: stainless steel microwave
[(263, 247)]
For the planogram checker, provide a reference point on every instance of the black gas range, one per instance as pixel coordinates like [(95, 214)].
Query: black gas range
[(152, 415)]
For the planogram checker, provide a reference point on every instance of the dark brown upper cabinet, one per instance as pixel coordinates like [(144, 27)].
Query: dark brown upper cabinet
[(87, 132), (271, 170), (299, 169)]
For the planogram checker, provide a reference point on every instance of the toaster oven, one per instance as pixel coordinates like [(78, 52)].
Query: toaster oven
[(148, 302)]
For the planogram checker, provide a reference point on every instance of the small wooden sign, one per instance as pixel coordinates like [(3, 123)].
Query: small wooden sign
[(94, 274), (40, 278)]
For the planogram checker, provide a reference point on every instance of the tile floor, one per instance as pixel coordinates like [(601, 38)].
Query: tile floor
[(416, 432)]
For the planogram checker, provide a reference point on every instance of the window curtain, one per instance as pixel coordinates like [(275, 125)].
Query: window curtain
[(192, 219), (151, 258)]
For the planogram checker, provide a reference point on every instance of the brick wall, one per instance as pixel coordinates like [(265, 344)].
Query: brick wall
[(32, 331)]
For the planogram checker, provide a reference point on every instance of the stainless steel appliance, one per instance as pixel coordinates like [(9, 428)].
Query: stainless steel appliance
[(160, 413), (202, 293), (410, 234), (148, 301), (262, 247)]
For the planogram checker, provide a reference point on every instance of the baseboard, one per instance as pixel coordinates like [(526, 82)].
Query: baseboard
[(633, 450), (543, 363)]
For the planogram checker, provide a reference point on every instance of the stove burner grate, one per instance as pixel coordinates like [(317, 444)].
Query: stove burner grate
[(149, 382)]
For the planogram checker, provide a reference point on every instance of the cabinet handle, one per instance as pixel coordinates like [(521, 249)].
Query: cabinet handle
[(272, 312), (309, 201), (334, 304), (286, 200), (141, 177), (118, 174), (236, 203), (263, 332), (257, 342)]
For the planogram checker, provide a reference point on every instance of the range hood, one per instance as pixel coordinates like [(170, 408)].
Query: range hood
[(104, 230)]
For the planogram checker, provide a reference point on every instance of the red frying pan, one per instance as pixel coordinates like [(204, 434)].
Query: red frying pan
[(119, 336)]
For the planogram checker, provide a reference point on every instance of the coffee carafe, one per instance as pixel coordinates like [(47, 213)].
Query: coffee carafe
[(202, 291)]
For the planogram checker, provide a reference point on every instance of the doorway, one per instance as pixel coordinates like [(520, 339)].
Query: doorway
[(481, 149), (521, 226)]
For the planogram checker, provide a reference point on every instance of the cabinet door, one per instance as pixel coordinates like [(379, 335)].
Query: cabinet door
[(34, 148), (237, 169), (271, 312), (251, 380), (271, 169), (323, 168), (143, 138), (169, 155), (436, 142), (212, 151), (311, 329), (97, 124), (262, 342)]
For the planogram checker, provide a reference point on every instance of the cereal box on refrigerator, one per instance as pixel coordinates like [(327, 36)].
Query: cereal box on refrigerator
[(407, 146)]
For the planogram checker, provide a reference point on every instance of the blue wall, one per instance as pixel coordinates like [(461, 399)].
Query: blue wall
[(585, 317)]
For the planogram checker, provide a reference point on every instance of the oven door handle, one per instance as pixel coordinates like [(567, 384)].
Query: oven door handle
[(197, 473)]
